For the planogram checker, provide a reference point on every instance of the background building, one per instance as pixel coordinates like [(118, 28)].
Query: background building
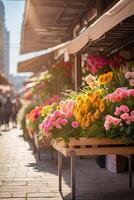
[(4, 43)]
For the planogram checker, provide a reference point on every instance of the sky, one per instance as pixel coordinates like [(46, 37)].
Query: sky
[(14, 10)]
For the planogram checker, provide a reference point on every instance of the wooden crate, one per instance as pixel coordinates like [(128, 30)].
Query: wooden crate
[(30, 133), (42, 144), (93, 146)]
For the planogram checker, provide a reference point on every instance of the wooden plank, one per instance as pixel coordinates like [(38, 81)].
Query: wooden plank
[(61, 149), (94, 141), (101, 151), (94, 151)]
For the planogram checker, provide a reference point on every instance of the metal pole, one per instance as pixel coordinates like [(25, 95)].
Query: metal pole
[(130, 170), (60, 171), (72, 178)]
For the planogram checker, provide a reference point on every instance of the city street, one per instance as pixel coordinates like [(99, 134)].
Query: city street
[(23, 176)]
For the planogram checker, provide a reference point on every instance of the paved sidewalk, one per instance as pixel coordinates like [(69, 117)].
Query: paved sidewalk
[(23, 177)]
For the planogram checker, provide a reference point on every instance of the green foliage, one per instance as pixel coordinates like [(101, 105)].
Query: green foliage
[(21, 118)]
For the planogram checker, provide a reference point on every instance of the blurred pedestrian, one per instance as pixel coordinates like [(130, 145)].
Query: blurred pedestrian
[(2, 101), (8, 110), (16, 107)]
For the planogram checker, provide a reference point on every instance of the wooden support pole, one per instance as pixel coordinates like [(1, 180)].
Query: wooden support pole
[(78, 71)]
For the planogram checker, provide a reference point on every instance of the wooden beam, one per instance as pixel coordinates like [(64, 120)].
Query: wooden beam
[(78, 71)]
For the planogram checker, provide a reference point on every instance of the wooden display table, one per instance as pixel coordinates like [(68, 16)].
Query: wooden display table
[(91, 146), (42, 145)]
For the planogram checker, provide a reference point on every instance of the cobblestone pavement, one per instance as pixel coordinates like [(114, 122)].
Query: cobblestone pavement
[(23, 177)]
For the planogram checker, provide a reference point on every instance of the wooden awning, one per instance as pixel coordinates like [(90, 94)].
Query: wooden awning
[(48, 23)]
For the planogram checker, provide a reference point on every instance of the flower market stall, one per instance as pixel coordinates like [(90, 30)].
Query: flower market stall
[(98, 117), (97, 120), (44, 94)]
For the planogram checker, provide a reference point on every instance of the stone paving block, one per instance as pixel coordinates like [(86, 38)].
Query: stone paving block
[(12, 188), (15, 183), (43, 194), (19, 194), (45, 198), (5, 194), (21, 175), (14, 199)]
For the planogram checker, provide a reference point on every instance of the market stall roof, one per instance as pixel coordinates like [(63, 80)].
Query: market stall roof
[(41, 62), (36, 64), (119, 12), (118, 38), (27, 87), (48, 23)]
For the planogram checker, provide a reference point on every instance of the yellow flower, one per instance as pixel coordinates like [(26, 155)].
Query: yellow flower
[(58, 107), (89, 93), (87, 124), (92, 118), (105, 78), (97, 93), (101, 79), (102, 105), (97, 114), (79, 98)]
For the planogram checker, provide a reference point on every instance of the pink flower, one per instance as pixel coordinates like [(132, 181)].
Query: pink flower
[(131, 82), (70, 105), (118, 98), (128, 122), (58, 113), (57, 125), (36, 115), (75, 124), (124, 108), (106, 125), (89, 79), (63, 121), (116, 121), (132, 113), (124, 116), (132, 118), (131, 92), (109, 120), (123, 92), (117, 111), (128, 75), (67, 107)]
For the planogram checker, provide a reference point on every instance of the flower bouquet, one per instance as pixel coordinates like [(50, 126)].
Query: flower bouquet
[(61, 123)]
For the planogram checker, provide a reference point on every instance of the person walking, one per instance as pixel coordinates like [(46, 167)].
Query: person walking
[(2, 101), (8, 110), (16, 107)]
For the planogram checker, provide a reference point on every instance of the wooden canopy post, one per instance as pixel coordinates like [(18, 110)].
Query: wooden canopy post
[(78, 71)]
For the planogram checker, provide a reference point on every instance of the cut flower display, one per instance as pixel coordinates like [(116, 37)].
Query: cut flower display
[(61, 123), (103, 108)]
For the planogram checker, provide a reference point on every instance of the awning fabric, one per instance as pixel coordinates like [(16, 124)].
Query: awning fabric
[(47, 23), (122, 10), (27, 87), (42, 62), (33, 65), (119, 12)]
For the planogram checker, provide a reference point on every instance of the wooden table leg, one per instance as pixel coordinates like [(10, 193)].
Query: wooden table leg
[(130, 170), (60, 171), (72, 178)]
